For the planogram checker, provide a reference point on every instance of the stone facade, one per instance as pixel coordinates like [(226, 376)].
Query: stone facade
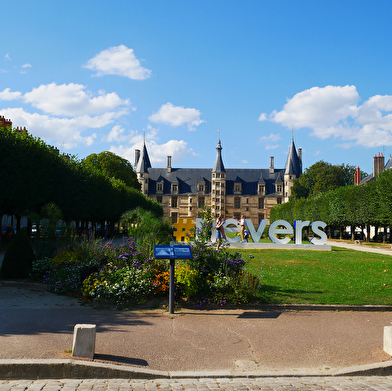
[(229, 192)]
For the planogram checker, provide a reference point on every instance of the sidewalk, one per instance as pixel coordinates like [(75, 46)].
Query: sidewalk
[(38, 325), (36, 333)]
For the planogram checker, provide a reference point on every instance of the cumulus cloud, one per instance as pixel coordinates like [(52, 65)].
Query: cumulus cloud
[(72, 100), (176, 116), (333, 111), (26, 66), (8, 95), (158, 153), (65, 131), (118, 60)]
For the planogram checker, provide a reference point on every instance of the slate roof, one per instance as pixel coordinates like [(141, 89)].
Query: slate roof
[(188, 178), (144, 161), (293, 163), (219, 166)]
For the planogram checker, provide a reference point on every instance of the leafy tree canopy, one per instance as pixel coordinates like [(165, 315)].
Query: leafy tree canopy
[(322, 177), (113, 166)]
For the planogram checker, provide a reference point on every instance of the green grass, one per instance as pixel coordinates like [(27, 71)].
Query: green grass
[(340, 276)]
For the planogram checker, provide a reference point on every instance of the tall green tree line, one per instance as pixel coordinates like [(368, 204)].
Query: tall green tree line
[(33, 174), (358, 206)]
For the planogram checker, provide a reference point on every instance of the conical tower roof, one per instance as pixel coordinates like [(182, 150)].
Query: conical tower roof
[(293, 163), (219, 166), (144, 161)]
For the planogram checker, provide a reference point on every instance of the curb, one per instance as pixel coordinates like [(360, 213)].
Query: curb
[(74, 369)]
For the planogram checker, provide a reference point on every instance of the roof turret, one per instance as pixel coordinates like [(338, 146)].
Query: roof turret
[(143, 163), (219, 166), (293, 163)]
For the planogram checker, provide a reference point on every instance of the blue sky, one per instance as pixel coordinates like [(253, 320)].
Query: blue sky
[(90, 76)]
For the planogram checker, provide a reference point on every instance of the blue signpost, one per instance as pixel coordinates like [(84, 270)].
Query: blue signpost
[(172, 252)]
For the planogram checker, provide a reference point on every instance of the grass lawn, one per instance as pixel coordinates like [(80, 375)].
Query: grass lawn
[(340, 276)]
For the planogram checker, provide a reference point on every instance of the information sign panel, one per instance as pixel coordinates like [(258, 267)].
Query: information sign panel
[(174, 251)]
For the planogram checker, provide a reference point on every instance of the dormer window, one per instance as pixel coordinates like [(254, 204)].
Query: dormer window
[(279, 188), (174, 187), (201, 187), (237, 188), (261, 188), (160, 187)]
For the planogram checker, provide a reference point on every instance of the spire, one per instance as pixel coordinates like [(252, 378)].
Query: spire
[(293, 163), (219, 166), (143, 163)]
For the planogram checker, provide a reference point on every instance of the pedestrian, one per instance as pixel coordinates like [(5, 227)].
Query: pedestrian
[(219, 229), (242, 225)]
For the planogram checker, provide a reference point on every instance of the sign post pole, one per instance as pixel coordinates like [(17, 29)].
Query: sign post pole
[(172, 252), (171, 287)]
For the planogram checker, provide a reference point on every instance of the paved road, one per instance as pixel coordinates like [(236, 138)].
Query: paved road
[(375, 383), (260, 350)]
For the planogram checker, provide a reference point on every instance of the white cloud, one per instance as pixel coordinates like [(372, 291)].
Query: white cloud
[(318, 107), (268, 147), (26, 66), (7, 56), (176, 116), (8, 95), (271, 138), (333, 111), (118, 60), (158, 153), (68, 132), (72, 100)]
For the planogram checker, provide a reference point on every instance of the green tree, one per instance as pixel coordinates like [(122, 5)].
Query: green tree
[(147, 229), (113, 166), (322, 177)]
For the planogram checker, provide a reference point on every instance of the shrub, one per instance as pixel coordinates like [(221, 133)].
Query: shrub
[(64, 279), (18, 258), (40, 268)]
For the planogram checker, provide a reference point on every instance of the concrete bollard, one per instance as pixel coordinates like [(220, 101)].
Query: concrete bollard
[(84, 340), (388, 340)]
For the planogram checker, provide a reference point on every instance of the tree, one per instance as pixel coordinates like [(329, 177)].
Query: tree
[(113, 166), (322, 177)]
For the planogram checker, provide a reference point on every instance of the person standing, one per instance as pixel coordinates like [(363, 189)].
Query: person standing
[(219, 229), (242, 225)]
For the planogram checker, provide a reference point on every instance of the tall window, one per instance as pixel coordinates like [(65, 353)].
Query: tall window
[(279, 200), (160, 187), (174, 202), (201, 202), (261, 203), (174, 217), (237, 202), (159, 199)]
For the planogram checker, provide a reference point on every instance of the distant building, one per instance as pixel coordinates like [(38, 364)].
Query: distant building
[(378, 167), (229, 192)]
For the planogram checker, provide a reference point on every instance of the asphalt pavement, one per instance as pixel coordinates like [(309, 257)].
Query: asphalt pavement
[(239, 348)]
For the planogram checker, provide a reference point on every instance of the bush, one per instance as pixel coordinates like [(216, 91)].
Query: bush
[(18, 258), (41, 268), (64, 279)]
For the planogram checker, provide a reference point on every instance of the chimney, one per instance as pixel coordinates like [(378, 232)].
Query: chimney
[(378, 164), (271, 169), (357, 176), (169, 168), (137, 157)]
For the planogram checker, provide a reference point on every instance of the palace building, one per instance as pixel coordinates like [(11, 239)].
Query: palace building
[(228, 192)]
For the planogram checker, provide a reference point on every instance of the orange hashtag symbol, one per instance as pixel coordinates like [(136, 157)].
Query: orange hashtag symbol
[(182, 230)]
